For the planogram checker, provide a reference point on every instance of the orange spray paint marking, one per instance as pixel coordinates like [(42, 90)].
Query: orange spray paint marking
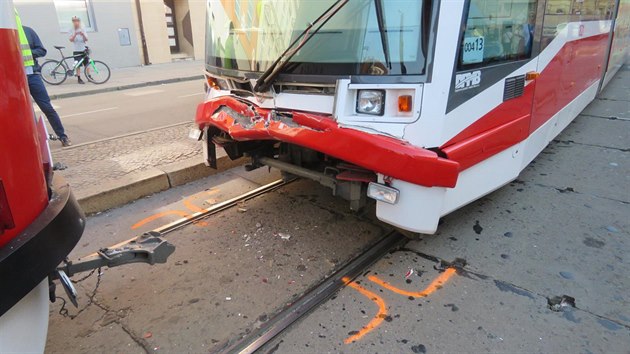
[(187, 203), (157, 216), (436, 284), (376, 321)]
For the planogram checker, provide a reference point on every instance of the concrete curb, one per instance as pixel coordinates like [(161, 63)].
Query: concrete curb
[(147, 182), (125, 87)]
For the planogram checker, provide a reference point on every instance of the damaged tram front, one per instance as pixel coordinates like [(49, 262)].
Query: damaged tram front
[(423, 105), (322, 90)]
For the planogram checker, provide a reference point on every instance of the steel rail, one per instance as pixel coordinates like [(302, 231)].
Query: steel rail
[(318, 294), (178, 224)]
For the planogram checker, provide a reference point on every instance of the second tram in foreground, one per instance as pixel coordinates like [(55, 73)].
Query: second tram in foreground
[(424, 106)]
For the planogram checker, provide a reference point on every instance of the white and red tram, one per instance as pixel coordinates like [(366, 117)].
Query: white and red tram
[(424, 106)]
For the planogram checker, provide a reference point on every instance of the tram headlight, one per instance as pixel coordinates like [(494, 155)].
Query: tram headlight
[(371, 102)]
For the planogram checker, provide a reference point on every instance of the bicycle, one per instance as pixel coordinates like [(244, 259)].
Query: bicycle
[(55, 72)]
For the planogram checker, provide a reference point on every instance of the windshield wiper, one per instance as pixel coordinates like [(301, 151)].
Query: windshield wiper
[(378, 5), (268, 77)]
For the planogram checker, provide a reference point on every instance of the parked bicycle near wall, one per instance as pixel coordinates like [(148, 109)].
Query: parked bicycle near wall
[(55, 72)]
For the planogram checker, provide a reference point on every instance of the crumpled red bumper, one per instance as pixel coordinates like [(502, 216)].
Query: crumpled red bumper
[(388, 156)]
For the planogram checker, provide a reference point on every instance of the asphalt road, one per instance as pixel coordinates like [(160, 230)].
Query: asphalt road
[(106, 115), (543, 264)]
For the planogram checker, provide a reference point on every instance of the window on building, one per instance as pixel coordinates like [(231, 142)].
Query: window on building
[(497, 31), (67, 9)]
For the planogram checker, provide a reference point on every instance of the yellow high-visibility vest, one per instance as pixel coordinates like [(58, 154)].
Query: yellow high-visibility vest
[(27, 54)]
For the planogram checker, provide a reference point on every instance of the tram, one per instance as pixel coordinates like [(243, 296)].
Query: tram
[(422, 105), (40, 220)]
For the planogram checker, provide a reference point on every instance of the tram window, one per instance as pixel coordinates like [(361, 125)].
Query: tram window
[(558, 13), (497, 31)]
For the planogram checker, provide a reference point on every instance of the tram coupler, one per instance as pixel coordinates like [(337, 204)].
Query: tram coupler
[(147, 248)]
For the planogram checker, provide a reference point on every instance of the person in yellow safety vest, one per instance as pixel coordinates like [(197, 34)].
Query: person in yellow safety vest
[(27, 54), (32, 49)]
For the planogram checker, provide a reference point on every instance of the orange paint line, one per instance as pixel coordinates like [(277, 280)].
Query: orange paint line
[(157, 216), (192, 207), (436, 284), (376, 321)]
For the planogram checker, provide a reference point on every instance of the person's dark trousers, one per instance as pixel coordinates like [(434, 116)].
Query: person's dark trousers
[(40, 95)]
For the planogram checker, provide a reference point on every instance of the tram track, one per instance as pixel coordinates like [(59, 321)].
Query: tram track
[(286, 316), (219, 207), (315, 296)]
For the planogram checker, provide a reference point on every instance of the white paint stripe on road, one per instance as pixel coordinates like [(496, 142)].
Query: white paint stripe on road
[(82, 113), (192, 94), (143, 93), (40, 111)]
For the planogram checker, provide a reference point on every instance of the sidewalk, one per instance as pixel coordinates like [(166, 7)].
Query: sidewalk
[(132, 77), (112, 172)]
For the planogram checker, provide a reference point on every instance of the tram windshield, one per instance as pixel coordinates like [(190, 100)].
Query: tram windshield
[(365, 37)]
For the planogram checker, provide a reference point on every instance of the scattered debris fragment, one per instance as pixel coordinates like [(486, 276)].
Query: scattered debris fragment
[(560, 303), (148, 335), (58, 166), (227, 298), (409, 273), (284, 236), (419, 349), (242, 210), (566, 190), (477, 228)]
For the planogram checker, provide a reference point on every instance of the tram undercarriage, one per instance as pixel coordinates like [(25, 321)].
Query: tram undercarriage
[(346, 180)]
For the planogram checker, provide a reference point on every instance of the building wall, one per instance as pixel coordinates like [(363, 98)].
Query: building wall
[(198, 23), (184, 27), (109, 16), (155, 31)]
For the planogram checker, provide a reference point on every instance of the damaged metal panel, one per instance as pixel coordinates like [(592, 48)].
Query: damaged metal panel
[(388, 156)]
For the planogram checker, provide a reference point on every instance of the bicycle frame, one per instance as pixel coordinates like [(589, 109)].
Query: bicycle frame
[(76, 64)]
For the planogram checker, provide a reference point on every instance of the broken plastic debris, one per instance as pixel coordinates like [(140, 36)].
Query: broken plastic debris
[(409, 273), (559, 303), (284, 236), (148, 335), (228, 298), (242, 210), (258, 225)]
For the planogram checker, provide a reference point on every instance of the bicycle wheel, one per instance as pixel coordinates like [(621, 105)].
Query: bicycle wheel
[(54, 72), (97, 72)]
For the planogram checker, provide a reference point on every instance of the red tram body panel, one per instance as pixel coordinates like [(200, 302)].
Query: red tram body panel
[(40, 221)]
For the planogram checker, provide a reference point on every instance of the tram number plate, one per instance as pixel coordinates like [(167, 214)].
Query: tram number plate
[(473, 50)]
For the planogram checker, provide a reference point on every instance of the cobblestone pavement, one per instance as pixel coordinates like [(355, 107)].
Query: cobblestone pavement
[(96, 163)]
